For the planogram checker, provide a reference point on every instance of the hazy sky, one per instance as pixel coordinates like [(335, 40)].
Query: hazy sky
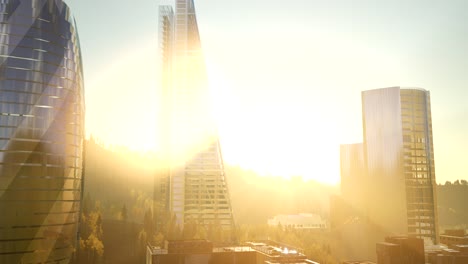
[(286, 76)]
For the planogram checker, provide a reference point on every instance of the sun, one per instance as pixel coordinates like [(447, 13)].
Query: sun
[(270, 134)]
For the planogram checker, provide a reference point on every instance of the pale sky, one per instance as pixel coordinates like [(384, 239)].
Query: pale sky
[(287, 76)]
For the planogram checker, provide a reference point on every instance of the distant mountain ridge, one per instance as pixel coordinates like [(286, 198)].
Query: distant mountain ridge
[(256, 198), (116, 176)]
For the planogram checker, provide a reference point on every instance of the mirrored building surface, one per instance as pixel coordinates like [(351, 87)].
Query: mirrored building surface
[(191, 184), (399, 159), (41, 132)]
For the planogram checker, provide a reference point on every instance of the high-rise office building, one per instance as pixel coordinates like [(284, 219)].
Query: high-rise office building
[(190, 184), (398, 147), (41, 132), (398, 184)]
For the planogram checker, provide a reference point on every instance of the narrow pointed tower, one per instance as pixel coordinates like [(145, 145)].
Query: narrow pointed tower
[(190, 186)]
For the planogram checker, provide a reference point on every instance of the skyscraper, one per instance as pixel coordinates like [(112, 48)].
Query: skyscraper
[(399, 179), (398, 147), (191, 184), (41, 132)]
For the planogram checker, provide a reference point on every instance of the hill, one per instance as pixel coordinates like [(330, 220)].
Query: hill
[(452, 200)]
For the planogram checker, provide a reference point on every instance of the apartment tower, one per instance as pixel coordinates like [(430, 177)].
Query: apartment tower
[(399, 186), (398, 147), (41, 132), (190, 185)]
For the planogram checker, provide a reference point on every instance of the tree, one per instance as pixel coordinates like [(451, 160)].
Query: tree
[(91, 245), (142, 243), (215, 231), (279, 232), (87, 204), (158, 240), (190, 230), (173, 230), (201, 232), (96, 248), (148, 225), (123, 213)]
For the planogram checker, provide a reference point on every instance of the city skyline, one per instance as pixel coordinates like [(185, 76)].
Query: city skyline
[(307, 102)]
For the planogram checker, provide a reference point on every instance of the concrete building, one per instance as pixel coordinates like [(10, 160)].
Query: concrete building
[(358, 262), (400, 250), (299, 221), (191, 183), (455, 252), (412, 250), (41, 132), (203, 252), (454, 237)]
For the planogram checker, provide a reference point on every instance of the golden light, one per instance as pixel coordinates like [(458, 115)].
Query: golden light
[(268, 133), (120, 101)]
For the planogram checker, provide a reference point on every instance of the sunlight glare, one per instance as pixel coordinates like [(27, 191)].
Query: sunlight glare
[(271, 136), (120, 101)]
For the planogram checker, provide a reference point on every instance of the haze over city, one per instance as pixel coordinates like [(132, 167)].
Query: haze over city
[(285, 77), (193, 131)]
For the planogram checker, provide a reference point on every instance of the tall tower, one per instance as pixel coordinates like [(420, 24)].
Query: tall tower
[(41, 132), (399, 154), (190, 184)]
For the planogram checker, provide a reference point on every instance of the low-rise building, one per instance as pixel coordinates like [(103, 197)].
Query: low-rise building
[(271, 252), (203, 252), (358, 262), (401, 250), (454, 237), (455, 255), (455, 250)]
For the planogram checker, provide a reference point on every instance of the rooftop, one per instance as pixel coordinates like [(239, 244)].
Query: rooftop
[(273, 252)]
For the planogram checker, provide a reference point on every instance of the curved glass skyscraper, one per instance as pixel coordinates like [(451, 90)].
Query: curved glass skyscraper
[(41, 132)]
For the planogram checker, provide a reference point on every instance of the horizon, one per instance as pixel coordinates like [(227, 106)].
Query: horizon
[(141, 157)]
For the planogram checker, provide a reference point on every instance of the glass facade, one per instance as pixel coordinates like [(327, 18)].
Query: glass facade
[(161, 192), (383, 149), (419, 163), (41, 132), (399, 153), (191, 183)]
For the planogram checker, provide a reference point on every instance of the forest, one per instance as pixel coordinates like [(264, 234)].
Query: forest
[(453, 207), (117, 221)]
